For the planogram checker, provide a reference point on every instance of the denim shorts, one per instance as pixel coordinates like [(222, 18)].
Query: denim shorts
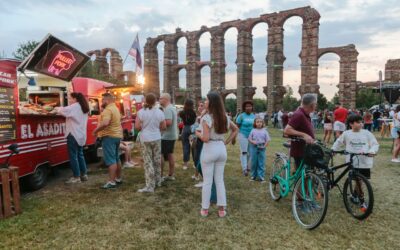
[(110, 150)]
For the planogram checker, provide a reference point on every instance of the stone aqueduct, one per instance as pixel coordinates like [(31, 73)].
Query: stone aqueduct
[(274, 89)]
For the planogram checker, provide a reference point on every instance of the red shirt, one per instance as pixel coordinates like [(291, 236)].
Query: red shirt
[(340, 114), (300, 121)]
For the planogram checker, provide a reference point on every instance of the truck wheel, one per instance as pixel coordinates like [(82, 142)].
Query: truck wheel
[(38, 179)]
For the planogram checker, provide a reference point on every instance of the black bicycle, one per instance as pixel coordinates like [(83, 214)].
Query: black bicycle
[(357, 193)]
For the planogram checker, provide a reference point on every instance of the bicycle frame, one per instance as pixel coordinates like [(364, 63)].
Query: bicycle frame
[(331, 174), (332, 182), (286, 184)]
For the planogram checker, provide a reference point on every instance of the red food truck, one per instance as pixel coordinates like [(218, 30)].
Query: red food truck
[(26, 118)]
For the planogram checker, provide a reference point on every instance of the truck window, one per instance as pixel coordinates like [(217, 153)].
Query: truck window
[(94, 106)]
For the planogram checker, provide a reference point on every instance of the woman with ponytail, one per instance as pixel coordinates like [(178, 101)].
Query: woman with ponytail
[(76, 115)]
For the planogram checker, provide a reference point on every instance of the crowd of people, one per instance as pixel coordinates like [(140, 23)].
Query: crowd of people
[(204, 137)]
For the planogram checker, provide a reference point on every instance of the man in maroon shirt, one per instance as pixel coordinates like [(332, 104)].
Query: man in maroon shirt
[(300, 126), (340, 117)]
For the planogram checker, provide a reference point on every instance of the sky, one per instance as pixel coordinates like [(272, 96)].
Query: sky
[(371, 25)]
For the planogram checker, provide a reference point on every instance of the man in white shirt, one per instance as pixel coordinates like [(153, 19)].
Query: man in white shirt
[(280, 114)]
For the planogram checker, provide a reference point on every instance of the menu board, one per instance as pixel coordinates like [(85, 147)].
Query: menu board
[(7, 114)]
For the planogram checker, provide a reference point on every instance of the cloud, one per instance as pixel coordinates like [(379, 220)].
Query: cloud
[(371, 25)]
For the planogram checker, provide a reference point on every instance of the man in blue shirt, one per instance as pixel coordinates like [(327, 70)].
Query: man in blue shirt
[(245, 122)]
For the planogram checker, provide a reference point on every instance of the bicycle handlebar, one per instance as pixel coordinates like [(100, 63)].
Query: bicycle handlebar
[(344, 152)]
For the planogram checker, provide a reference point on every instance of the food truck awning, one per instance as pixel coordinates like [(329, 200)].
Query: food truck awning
[(55, 58)]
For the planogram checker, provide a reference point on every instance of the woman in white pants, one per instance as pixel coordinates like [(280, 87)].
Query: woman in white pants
[(215, 124)]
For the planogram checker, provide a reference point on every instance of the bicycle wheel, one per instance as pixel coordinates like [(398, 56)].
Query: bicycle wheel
[(309, 201), (278, 169), (358, 196)]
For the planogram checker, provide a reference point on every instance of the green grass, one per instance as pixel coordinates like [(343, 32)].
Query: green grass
[(86, 217)]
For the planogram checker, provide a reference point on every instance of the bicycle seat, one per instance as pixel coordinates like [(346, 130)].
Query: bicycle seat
[(281, 155), (321, 164), (286, 144)]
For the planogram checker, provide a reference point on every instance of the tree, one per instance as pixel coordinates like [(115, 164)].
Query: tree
[(335, 98), (260, 105), (24, 49), (230, 105), (331, 104), (322, 102), (290, 103), (366, 98)]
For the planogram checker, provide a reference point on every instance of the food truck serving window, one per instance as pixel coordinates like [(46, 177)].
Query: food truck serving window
[(52, 99), (42, 103)]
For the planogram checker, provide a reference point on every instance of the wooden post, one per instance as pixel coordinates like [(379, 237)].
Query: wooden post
[(5, 181), (15, 190), (1, 205)]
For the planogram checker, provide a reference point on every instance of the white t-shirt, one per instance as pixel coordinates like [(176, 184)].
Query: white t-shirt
[(396, 120), (151, 119), (358, 142), (75, 122), (207, 118), (280, 114), (391, 114)]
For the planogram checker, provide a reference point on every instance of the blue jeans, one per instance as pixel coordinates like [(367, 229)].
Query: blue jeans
[(376, 125), (185, 142), (257, 161), (76, 158)]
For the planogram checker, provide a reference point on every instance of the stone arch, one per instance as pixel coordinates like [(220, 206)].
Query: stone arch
[(225, 92), (259, 57), (308, 15), (94, 56), (275, 58), (93, 52), (206, 83), (292, 57), (179, 69), (203, 29), (152, 66), (348, 72), (251, 22), (328, 77), (230, 65)]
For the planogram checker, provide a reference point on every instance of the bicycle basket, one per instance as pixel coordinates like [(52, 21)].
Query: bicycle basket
[(317, 155)]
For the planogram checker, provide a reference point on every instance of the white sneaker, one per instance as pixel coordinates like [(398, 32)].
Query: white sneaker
[(73, 180), (168, 178), (128, 165), (199, 185), (146, 190), (395, 160)]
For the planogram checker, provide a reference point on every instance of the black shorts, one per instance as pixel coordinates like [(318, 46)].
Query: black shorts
[(366, 172), (167, 147)]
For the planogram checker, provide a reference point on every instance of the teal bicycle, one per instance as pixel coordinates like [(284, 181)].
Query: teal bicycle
[(309, 193)]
